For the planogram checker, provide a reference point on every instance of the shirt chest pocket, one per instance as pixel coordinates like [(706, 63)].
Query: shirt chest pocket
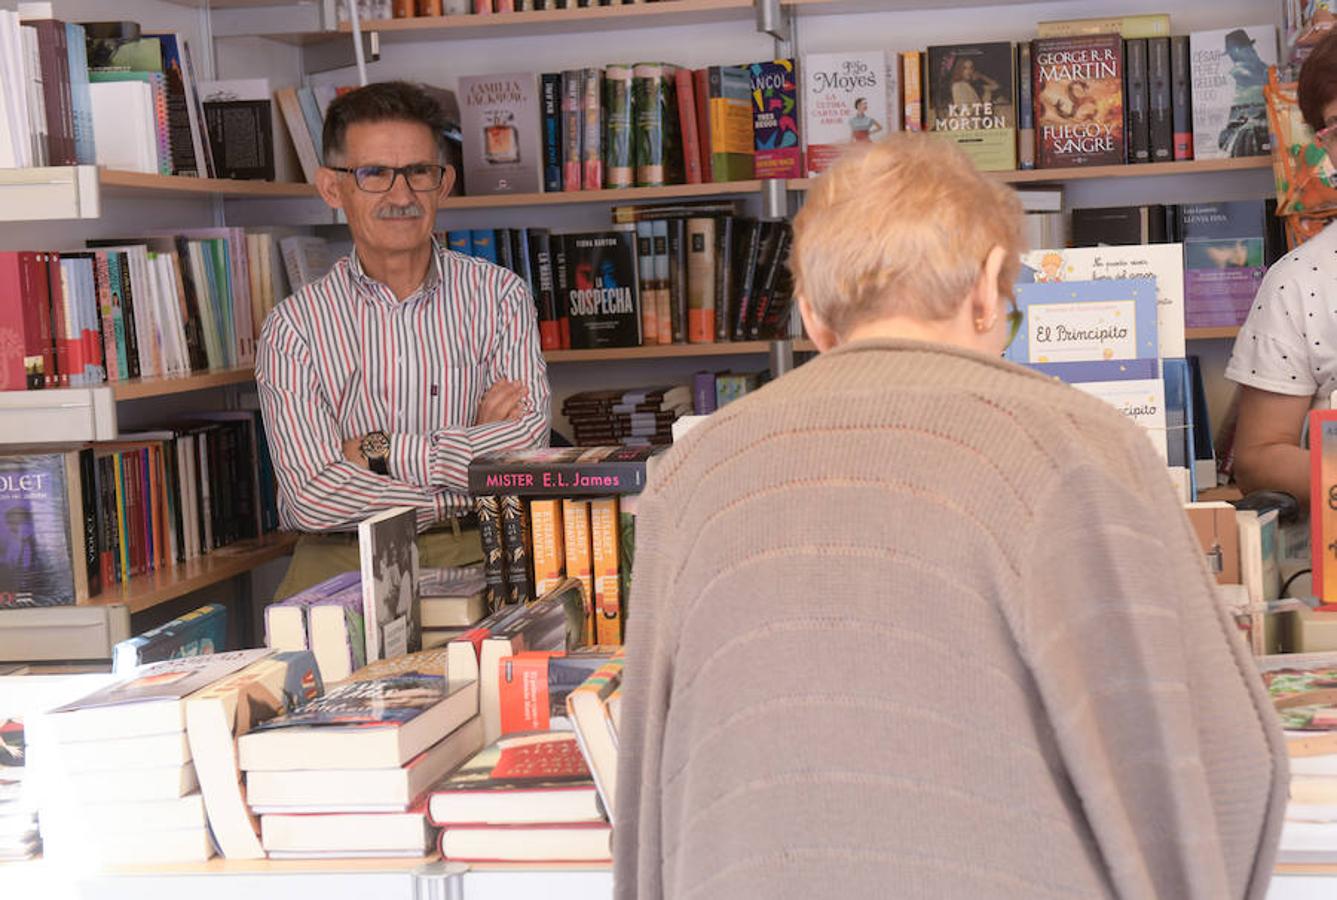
[(451, 391)]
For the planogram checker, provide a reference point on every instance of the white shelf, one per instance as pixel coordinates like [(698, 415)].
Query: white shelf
[(62, 633), (53, 192), (59, 415)]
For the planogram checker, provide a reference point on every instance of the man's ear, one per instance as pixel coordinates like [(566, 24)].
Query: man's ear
[(447, 182), (820, 333), (327, 183)]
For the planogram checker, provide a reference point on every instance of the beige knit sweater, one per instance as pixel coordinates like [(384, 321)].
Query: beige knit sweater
[(914, 622)]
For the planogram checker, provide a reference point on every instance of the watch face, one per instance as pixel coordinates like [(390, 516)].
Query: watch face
[(375, 445)]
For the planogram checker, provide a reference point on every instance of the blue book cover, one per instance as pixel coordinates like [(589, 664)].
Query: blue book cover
[(1179, 417), (551, 104), (36, 562), (391, 701), (1088, 330), (114, 283), (1224, 260), (460, 241), (485, 244), (196, 633), (81, 102)]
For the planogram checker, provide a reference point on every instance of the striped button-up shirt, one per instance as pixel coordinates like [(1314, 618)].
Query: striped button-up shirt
[(343, 357)]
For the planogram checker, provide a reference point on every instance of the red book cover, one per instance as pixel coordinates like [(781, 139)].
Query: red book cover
[(50, 281), (482, 7), (1323, 502), (59, 325), (12, 343), (1078, 95), (39, 356), (501, 781), (102, 283), (523, 690), (701, 93), (687, 113)]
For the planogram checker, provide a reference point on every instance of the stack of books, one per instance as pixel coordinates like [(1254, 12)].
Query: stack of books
[(635, 418), (1303, 688), (527, 797), (121, 755), (451, 601), (346, 774)]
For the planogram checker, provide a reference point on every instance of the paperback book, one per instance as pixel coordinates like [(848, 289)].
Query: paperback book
[(775, 120), (599, 289), (388, 548), (563, 471), (971, 101), (500, 119), (1223, 260), (844, 102), (1228, 70)]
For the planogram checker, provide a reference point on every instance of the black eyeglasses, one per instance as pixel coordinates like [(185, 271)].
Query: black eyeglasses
[(380, 179)]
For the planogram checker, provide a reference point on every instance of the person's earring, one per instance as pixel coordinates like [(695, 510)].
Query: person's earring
[(981, 325)]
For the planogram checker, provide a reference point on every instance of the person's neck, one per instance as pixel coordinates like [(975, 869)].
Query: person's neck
[(947, 331), (402, 271)]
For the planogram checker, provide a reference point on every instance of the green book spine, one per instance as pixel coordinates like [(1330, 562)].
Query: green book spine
[(619, 167), (648, 111)]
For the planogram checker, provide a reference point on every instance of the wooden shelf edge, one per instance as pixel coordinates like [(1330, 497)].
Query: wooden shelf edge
[(536, 21), (139, 388), (659, 351), (146, 591), (1208, 334), (116, 179), (618, 195)]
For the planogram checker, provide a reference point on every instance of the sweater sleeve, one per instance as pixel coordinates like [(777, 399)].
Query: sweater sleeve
[(1148, 692), (646, 694)]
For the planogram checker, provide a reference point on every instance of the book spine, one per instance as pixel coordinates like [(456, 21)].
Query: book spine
[(561, 287), (648, 110), (1181, 97), (54, 58), (751, 258), (1137, 129), (645, 270), (545, 520), (677, 281), (580, 558), (619, 168), (912, 90), (540, 245), (724, 275), (515, 543), (551, 100), (591, 146), (685, 95), (59, 322), (23, 293), (128, 301), (766, 296), (488, 509), (50, 280), (675, 171), (1025, 109), (662, 303), (701, 263), (81, 104), (573, 129), (1160, 125), (607, 595), (701, 94)]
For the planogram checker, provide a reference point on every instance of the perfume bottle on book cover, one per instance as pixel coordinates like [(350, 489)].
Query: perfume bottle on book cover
[(500, 120)]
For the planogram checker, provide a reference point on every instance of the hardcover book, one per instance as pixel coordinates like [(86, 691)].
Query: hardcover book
[(970, 89), (1075, 328), (223, 712), (775, 120), (844, 102), (515, 542), (595, 728), (1228, 70), (1137, 96), (196, 633), (563, 471), (620, 170), (387, 544), (500, 119), (600, 290), (1223, 260), (649, 138), (729, 108), (43, 535), (1077, 83), (337, 632)]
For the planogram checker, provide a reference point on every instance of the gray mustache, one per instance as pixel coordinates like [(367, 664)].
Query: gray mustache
[(412, 211)]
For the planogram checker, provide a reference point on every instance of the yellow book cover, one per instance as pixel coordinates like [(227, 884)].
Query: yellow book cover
[(912, 91), (579, 556), (1147, 25), (607, 590), (545, 525)]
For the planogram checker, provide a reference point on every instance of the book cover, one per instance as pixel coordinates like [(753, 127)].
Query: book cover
[(689, 128), (500, 120), (1161, 262), (1223, 260), (573, 128), (196, 633), (169, 680), (388, 702), (601, 290), (549, 542), (1145, 25), (551, 99), (37, 559), (1181, 97), (1322, 509), (620, 169), (970, 90), (649, 130), (534, 686), (542, 761), (1077, 83), (1137, 100), (844, 102), (488, 508), (563, 471), (912, 90), (1088, 330), (388, 549), (580, 559), (701, 263), (1228, 69), (592, 120), (775, 120), (595, 728)]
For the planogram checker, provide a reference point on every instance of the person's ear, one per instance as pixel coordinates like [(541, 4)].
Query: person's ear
[(327, 184), (820, 333), (984, 296), (447, 182)]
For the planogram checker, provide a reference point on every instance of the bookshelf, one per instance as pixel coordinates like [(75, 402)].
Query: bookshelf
[(146, 591), (659, 351), (1211, 334), (139, 388)]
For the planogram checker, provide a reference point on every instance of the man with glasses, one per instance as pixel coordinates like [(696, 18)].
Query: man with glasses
[(382, 380), (1285, 357)]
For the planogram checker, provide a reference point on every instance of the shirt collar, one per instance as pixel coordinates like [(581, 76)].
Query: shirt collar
[(370, 286)]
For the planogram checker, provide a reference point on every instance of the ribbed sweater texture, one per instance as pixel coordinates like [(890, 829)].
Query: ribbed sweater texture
[(915, 622)]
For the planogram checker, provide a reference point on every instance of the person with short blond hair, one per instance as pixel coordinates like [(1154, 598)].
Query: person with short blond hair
[(913, 621)]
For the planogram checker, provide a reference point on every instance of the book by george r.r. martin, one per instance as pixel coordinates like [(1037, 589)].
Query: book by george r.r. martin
[(598, 286), (1078, 90), (970, 88)]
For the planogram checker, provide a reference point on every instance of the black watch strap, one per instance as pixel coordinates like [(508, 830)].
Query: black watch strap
[(378, 464)]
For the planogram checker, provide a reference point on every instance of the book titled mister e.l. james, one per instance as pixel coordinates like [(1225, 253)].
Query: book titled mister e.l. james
[(1078, 95), (563, 471)]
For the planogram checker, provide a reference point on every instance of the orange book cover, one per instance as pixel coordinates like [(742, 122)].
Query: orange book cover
[(607, 590), (1323, 501), (912, 91), (549, 539), (691, 139), (523, 691), (580, 556)]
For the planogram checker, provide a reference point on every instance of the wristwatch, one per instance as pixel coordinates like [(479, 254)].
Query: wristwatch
[(376, 448)]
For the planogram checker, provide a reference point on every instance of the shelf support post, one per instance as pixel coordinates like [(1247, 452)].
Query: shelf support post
[(774, 19), (782, 357)]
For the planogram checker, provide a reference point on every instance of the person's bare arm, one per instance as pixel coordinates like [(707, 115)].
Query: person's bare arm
[(1268, 455)]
